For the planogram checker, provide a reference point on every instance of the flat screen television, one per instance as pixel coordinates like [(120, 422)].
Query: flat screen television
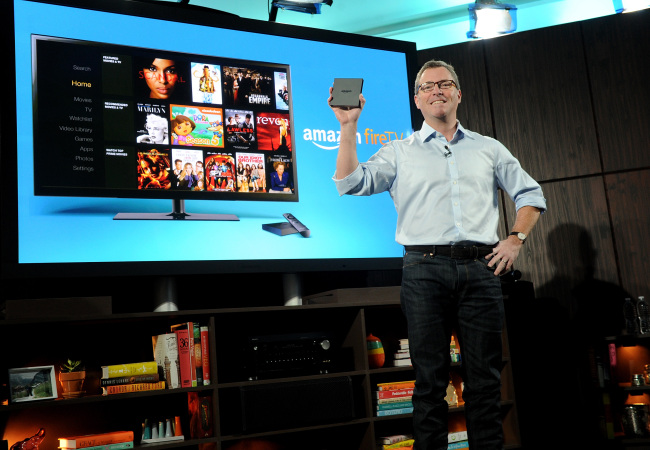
[(138, 110)]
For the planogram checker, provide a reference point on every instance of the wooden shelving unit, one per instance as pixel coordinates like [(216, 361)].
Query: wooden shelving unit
[(102, 340)]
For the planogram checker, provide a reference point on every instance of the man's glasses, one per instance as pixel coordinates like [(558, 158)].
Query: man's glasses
[(442, 85)]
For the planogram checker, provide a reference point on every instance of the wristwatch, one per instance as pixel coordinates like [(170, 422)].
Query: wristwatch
[(521, 236)]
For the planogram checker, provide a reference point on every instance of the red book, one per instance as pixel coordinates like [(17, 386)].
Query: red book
[(91, 440), (183, 340), (205, 355), (393, 394)]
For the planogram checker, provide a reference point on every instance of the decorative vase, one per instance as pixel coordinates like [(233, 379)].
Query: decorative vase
[(72, 383), (376, 356)]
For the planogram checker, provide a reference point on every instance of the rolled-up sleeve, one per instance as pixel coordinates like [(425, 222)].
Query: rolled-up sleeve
[(374, 176), (520, 186)]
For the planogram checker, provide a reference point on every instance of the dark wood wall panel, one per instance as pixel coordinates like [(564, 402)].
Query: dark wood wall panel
[(541, 101), (617, 50), (629, 199), (571, 243), (572, 102), (467, 59)]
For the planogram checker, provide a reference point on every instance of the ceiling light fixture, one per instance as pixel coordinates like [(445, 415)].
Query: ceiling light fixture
[(489, 18), (625, 6), (311, 7)]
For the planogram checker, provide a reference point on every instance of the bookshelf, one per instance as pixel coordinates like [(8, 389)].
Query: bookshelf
[(327, 405)]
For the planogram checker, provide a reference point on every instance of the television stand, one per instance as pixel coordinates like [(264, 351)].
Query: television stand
[(178, 213)]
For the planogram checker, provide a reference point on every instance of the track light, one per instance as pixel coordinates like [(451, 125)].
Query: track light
[(311, 7), (489, 18), (624, 6)]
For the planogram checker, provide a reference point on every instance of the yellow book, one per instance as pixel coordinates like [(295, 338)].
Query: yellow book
[(121, 370), (400, 444)]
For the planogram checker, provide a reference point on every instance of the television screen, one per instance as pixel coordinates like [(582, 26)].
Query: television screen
[(135, 110), (118, 121)]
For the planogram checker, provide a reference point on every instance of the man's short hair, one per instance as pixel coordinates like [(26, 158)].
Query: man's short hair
[(432, 64)]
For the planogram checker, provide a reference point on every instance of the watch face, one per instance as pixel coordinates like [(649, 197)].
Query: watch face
[(521, 236)]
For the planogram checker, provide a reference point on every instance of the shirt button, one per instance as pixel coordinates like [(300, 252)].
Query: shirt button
[(455, 203), (455, 182)]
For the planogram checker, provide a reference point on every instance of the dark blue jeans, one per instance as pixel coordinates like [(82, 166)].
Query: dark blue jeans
[(438, 294)]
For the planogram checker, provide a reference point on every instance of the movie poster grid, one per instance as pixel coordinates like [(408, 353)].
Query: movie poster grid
[(202, 126)]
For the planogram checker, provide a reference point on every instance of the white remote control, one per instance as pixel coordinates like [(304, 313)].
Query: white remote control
[(297, 224)]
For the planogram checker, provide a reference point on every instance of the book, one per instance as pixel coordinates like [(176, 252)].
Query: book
[(402, 362), (395, 412), (402, 354), (392, 439), (198, 364), (184, 359), (404, 398), (93, 440), (458, 445), (457, 436), (394, 393), (401, 444), (147, 378), (122, 370), (117, 446), (205, 355), (396, 405), (185, 336), (394, 386), (135, 387), (165, 352)]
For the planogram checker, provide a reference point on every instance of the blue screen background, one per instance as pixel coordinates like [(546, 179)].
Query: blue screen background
[(73, 229)]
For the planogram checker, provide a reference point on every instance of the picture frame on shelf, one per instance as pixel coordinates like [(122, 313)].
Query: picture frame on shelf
[(28, 384)]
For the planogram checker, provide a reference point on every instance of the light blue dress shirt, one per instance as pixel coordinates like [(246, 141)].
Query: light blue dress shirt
[(445, 192)]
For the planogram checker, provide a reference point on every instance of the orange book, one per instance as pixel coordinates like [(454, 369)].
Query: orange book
[(91, 440), (396, 385), (133, 387)]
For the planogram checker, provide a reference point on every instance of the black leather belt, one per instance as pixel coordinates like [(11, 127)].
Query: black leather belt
[(452, 251)]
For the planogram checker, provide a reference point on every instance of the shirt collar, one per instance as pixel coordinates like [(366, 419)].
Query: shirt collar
[(427, 133)]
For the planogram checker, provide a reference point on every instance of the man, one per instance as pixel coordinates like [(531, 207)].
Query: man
[(443, 180)]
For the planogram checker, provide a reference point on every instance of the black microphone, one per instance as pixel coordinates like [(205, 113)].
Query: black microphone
[(448, 152)]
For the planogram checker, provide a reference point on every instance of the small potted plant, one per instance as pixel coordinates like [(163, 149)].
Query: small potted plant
[(71, 377)]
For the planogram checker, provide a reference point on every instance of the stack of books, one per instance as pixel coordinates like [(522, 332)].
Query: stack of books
[(181, 360), (131, 377), (115, 440), (402, 357), (398, 441), (394, 398)]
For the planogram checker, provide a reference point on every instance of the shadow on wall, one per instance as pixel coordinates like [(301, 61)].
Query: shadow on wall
[(553, 345)]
